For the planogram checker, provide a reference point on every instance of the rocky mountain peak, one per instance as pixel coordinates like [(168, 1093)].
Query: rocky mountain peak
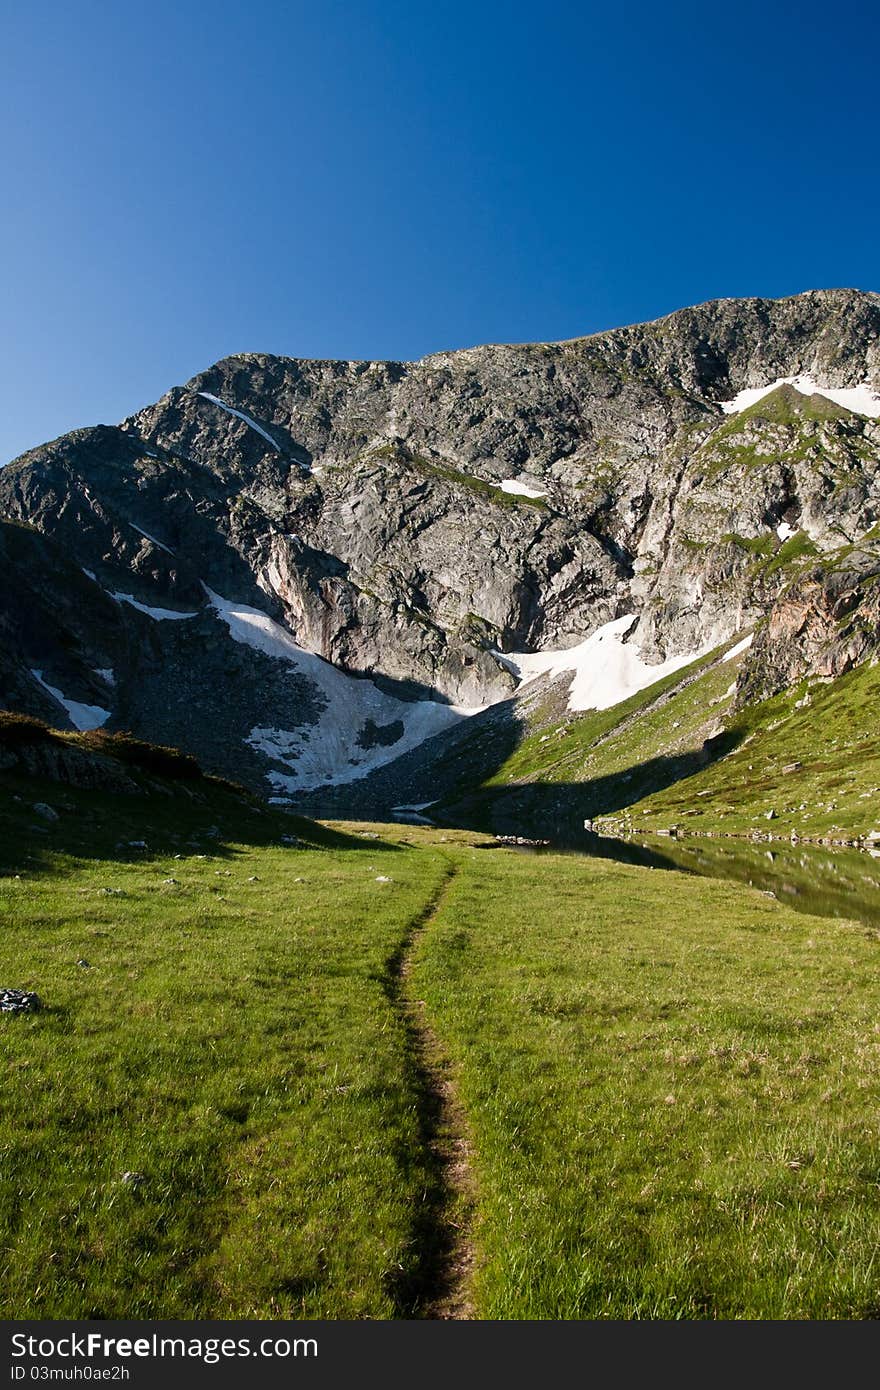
[(410, 523)]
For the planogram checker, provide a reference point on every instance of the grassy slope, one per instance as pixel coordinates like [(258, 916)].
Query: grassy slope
[(644, 755), (232, 1039), (810, 430), (832, 787), (616, 756), (563, 750)]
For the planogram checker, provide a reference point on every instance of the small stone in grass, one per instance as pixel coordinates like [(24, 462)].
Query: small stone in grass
[(85, 964), (46, 812), (19, 1001), (133, 1179)]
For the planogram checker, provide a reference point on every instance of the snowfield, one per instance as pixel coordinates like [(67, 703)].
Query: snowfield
[(141, 532), (82, 717), (231, 410), (738, 650), (606, 669), (160, 614), (334, 749), (862, 399), (519, 489)]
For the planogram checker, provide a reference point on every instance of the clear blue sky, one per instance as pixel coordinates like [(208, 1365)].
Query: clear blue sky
[(385, 179)]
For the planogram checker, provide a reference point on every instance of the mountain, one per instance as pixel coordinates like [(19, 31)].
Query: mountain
[(339, 582)]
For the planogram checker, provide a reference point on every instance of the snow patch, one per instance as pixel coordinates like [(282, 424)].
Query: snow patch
[(785, 532), (106, 674), (141, 532), (327, 752), (231, 410), (519, 489), (411, 814), (82, 717), (90, 574), (606, 669), (738, 650), (160, 614), (861, 399)]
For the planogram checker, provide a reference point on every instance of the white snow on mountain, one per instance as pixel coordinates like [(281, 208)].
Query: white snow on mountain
[(605, 669), (160, 614), (231, 410), (359, 729), (738, 650), (411, 815), (519, 489), (82, 717), (140, 530), (861, 399)]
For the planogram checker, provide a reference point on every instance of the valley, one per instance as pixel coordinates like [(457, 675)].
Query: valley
[(439, 824)]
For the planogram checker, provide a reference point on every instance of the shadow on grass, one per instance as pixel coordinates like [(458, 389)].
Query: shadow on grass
[(561, 811), (172, 819)]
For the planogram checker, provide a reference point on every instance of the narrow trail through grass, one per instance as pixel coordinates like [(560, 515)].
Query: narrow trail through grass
[(439, 1285), (372, 1071)]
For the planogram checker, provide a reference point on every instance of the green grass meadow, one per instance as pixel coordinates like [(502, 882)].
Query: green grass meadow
[(669, 1083), (672, 1087), (232, 1043)]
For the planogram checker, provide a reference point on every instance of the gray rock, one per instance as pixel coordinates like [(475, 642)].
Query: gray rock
[(19, 1001)]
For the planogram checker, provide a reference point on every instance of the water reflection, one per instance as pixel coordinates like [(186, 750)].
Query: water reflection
[(809, 878)]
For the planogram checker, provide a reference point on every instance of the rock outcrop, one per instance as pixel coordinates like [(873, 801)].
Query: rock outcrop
[(825, 623)]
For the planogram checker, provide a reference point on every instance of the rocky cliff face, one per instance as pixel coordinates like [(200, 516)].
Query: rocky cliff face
[(823, 624), (407, 521)]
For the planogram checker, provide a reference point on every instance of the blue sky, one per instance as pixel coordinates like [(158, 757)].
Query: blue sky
[(382, 179)]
